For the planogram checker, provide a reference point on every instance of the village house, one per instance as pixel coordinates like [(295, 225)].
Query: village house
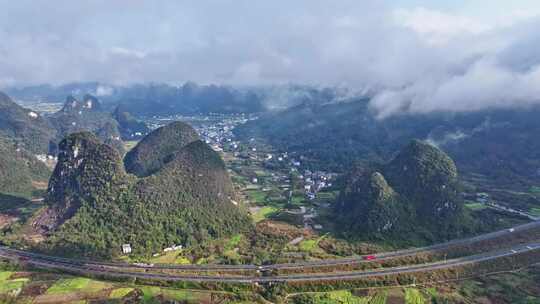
[(126, 248)]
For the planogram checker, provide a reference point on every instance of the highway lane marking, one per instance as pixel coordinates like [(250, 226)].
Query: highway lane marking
[(334, 262), (300, 277)]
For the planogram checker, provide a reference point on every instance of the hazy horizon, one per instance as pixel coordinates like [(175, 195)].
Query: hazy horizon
[(416, 55)]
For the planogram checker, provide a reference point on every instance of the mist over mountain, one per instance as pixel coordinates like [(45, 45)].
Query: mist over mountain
[(500, 143), (186, 99), (416, 57)]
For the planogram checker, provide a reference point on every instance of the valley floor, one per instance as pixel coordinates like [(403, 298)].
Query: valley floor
[(39, 287), (289, 204)]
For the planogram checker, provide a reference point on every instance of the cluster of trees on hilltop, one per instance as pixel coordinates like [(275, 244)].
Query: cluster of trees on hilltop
[(413, 197)]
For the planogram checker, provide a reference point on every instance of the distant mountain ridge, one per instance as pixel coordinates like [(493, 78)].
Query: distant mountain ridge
[(188, 98), (26, 135), (42, 133), (501, 144), (86, 115)]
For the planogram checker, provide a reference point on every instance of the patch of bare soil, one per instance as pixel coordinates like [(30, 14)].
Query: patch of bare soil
[(40, 224), (18, 275), (280, 229), (395, 296), (6, 220), (35, 289), (40, 185)]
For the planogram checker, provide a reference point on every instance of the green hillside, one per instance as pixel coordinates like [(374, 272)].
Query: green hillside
[(27, 128), (130, 127), (18, 169), (415, 195), (95, 206), (153, 151)]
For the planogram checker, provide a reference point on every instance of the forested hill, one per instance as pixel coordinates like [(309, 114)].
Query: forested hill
[(19, 170), (87, 115), (502, 144), (40, 134), (130, 128), (27, 128), (151, 153), (95, 206), (415, 196), (23, 133)]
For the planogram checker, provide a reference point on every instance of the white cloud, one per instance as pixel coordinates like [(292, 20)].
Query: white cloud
[(419, 59), (438, 27), (127, 52), (485, 83), (103, 90)]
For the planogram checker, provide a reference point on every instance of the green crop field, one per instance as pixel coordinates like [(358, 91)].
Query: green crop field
[(233, 242), (475, 206), (7, 285), (264, 213), (150, 293), (120, 292), (310, 245), (77, 284), (171, 257), (256, 196), (342, 297), (414, 296)]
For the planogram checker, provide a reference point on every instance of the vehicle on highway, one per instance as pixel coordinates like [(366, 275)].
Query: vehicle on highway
[(370, 257), (143, 265)]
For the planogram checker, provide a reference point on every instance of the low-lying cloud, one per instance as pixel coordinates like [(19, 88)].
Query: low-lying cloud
[(503, 72), (416, 59)]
